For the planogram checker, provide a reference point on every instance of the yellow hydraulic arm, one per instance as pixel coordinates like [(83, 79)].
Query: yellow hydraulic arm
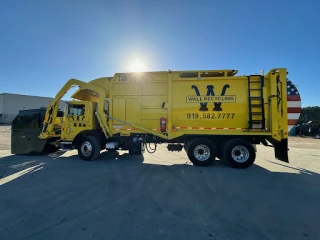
[(52, 109)]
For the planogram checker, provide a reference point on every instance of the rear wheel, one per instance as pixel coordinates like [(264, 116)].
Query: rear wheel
[(186, 146), (201, 152), (239, 153), (89, 148)]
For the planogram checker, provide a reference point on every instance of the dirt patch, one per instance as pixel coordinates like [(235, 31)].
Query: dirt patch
[(5, 136), (304, 142)]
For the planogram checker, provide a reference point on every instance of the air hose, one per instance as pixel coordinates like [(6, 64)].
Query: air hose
[(150, 149)]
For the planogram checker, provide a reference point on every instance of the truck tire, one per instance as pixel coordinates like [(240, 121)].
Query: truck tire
[(186, 146), (220, 154), (239, 153), (89, 148), (201, 152)]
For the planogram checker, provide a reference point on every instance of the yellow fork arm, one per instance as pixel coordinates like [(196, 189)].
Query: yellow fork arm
[(52, 109)]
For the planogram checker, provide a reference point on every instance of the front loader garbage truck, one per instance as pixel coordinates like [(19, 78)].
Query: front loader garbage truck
[(208, 113)]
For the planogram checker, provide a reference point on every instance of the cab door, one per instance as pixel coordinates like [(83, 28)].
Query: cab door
[(76, 120)]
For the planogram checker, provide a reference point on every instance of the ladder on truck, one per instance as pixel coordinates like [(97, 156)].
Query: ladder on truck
[(256, 102)]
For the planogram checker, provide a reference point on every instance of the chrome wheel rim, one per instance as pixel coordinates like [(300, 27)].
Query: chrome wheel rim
[(201, 152), (86, 148), (240, 154)]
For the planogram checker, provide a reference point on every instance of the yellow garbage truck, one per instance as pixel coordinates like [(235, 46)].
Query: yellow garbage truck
[(208, 113)]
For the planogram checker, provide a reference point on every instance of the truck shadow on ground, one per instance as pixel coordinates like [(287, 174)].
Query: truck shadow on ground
[(134, 192), (28, 164)]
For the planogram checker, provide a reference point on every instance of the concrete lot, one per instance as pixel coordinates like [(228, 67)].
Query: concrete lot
[(159, 196)]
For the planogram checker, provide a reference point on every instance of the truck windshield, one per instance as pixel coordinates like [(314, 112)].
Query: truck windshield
[(77, 110)]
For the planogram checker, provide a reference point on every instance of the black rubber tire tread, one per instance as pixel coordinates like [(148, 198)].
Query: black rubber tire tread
[(97, 148), (186, 145), (229, 145), (190, 148), (95, 145), (220, 155)]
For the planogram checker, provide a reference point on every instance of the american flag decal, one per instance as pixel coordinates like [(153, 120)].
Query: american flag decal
[(294, 104)]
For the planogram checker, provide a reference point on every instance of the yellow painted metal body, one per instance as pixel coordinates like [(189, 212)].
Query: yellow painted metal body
[(143, 98), (205, 102)]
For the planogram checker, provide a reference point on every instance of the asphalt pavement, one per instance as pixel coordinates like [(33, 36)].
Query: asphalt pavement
[(160, 196)]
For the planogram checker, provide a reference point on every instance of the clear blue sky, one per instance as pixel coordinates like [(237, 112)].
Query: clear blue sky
[(44, 43)]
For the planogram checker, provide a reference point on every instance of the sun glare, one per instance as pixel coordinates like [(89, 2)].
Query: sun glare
[(138, 66)]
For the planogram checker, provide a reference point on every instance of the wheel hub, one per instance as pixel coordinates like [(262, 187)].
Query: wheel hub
[(240, 154), (86, 148), (201, 152)]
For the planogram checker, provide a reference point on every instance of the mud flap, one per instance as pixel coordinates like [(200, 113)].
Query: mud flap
[(281, 150)]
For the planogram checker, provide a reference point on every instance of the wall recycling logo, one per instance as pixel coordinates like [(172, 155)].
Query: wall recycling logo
[(210, 97)]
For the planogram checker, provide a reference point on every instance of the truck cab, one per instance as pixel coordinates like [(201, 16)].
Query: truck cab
[(79, 116)]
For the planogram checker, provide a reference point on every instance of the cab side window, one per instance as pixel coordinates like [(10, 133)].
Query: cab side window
[(76, 110)]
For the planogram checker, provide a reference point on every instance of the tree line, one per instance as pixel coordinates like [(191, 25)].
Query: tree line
[(309, 114)]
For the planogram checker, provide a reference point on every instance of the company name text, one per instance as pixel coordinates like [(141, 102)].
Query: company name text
[(211, 99)]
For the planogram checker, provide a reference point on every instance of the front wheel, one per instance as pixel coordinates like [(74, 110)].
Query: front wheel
[(239, 153), (201, 152), (89, 148)]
